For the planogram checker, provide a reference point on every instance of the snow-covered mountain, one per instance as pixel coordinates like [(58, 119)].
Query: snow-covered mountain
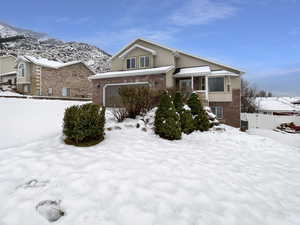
[(40, 44)]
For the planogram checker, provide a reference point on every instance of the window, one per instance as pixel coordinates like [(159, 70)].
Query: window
[(199, 83), (218, 111), (185, 85), (131, 63), (21, 70), (144, 61), (50, 91), (66, 92), (215, 84), (9, 81)]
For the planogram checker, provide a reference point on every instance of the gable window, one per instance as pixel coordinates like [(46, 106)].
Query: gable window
[(215, 84), (218, 111), (131, 63), (21, 70), (144, 61)]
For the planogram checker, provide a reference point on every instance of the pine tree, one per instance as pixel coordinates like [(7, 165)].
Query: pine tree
[(178, 103), (167, 120), (186, 121), (201, 121)]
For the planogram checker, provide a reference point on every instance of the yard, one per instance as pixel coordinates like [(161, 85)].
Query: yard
[(135, 178)]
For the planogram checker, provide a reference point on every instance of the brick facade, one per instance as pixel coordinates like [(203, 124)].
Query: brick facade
[(74, 77), (157, 82), (231, 110)]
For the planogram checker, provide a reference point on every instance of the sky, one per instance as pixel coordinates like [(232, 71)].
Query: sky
[(261, 37)]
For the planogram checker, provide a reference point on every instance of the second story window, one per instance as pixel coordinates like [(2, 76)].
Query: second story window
[(216, 84), (144, 61), (131, 63)]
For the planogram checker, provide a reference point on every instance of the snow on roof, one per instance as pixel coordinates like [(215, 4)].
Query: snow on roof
[(151, 71), (7, 74), (223, 73), (276, 104), (201, 70), (137, 46)]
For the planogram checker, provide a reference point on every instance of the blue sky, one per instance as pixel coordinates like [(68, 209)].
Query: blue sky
[(262, 37)]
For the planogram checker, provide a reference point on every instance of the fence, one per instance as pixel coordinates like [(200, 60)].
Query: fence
[(256, 120)]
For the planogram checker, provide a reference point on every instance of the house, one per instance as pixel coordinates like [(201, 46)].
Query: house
[(143, 62), (278, 105), (40, 76), (7, 72)]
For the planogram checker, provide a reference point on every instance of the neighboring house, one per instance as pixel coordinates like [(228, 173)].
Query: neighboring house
[(7, 72), (39, 76), (278, 105), (146, 63)]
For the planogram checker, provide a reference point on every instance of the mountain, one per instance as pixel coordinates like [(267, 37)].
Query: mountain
[(41, 45)]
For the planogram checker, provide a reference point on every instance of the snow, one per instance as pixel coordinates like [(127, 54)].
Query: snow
[(8, 93), (223, 73), (284, 138), (152, 71), (134, 177), (277, 104), (201, 70)]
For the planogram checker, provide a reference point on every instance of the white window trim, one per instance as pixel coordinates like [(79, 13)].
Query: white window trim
[(130, 63), (118, 84), (24, 66), (140, 58), (218, 108), (67, 92)]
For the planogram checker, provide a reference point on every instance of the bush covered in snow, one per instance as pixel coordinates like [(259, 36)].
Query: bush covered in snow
[(167, 121), (84, 124), (201, 121)]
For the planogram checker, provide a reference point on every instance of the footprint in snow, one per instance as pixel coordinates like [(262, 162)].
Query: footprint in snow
[(50, 210)]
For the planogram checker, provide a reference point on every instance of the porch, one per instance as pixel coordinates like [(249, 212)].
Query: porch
[(194, 79)]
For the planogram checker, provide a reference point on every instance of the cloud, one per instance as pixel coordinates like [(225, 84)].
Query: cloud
[(197, 12), (69, 20), (113, 41)]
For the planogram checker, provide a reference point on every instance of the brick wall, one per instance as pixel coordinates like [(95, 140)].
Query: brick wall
[(157, 82), (74, 77), (231, 110)]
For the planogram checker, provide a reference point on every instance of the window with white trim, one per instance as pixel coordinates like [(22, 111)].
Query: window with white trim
[(21, 70), (131, 63), (144, 61), (216, 84), (65, 92), (218, 111), (50, 91)]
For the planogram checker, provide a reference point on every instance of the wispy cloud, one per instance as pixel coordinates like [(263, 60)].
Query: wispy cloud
[(69, 20), (114, 40), (197, 12)]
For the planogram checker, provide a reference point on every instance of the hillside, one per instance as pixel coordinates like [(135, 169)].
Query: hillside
[(40, 44)]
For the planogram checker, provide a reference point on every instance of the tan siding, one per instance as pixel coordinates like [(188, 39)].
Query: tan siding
[(7, 64)]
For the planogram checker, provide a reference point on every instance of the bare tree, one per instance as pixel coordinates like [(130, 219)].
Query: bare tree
[(248, 96)]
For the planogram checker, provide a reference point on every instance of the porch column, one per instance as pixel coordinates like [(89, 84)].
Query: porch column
[(192, 83), (206, 87)]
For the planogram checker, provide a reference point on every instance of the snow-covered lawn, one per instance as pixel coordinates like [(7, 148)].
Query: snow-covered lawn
[(135, 178)]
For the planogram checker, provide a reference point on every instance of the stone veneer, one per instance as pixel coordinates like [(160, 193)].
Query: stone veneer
[(74, 77), (231, 110), (157, 82)]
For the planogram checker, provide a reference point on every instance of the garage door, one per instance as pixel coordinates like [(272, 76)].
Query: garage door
[(111, 93)]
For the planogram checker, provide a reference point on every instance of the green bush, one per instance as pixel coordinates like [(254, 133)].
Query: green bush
[(167, 121), (201, 121), (186, 121), (137, 100), (178, 103), (84, 125)]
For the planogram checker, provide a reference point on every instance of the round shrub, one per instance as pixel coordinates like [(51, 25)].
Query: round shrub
[(167, 121), (186, 121), (84, 125)]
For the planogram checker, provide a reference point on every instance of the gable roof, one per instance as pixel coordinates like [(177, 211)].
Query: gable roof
[(50, 63), (175, 51), (137, 46)]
